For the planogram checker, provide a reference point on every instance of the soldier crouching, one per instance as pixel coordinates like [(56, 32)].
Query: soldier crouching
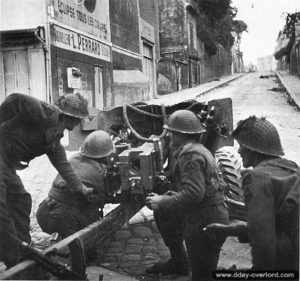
[(271, 199), (66, 212)]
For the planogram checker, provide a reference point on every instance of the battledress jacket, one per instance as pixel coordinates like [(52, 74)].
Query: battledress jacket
[(30, 128), (91, 173), (272, 204), (199, 179)]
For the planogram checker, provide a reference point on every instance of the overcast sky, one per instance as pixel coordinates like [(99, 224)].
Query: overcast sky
[(264, 19)]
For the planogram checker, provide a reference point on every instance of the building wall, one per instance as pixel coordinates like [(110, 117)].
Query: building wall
[(295, 59), (295, 52), (22, 59), (149, 31), (149, 13), (179, 21), (173, 76), (63, 59), (22, 70), (133, 34), (173, 69), (124, 22), (266, 63), (81, 61), (191, 31), (218, 65), (80, 38), (172, 25), (88, 16)]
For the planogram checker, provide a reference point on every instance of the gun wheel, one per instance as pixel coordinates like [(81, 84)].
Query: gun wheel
[(230, 165)]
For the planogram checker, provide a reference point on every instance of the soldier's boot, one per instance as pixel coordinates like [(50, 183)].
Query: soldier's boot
[(177, 265)]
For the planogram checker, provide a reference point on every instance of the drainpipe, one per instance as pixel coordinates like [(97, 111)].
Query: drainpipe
[(48, 50)]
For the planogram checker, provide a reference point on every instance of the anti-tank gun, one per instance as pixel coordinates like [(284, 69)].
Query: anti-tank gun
[(139, 169), (141, 157)]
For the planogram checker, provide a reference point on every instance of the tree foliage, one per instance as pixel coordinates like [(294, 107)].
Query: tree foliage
[(218, 24), (290, 20), (214, 9), (239, 26), (289, 31)]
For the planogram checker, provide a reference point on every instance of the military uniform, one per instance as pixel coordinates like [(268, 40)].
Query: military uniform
[(66, 212), (28, 128), (271, 196), (272, 203), (198, 202)]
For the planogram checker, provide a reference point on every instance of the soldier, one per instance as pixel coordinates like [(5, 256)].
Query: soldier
[(271, 198), (199, 200), (30, 128), (66, 212)]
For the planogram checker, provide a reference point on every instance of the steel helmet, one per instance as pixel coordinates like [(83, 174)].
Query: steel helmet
[(185, 122), (73, 105), (259, 135), (97, 145)]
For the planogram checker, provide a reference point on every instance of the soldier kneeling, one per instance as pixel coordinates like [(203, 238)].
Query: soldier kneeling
[(66, 212)]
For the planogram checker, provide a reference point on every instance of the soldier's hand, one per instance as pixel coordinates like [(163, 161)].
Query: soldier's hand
[(87, 193), (153, 201)]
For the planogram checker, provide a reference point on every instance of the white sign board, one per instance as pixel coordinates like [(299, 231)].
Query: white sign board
[(77, 42), (89, 16)]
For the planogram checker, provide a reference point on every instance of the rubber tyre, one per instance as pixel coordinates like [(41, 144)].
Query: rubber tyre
[(230, 165)]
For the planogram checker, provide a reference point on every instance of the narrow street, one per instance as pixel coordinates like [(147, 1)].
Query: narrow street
[(252, 95)]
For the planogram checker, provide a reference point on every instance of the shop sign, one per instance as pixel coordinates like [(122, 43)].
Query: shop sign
[(80, 43), (90, 16)]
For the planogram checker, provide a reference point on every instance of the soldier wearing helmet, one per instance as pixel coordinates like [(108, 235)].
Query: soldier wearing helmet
[(30, 128), (66, 212), (199, 200), (271, 198)]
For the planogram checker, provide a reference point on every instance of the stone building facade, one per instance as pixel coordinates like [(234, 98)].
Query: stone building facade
[(113, 52), (184, 63), (287, 51)]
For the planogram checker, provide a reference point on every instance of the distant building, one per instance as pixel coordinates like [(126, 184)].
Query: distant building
[(295, 52), (179, 66), (267, 63), (184, 61), (287, 51), (282, 51), (237, 56)]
